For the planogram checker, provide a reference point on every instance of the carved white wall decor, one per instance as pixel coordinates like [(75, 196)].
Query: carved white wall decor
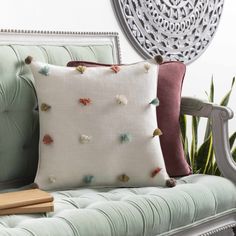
[(176, 29)]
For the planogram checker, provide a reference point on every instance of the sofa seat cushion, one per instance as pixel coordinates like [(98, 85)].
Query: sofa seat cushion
[(128, 211)]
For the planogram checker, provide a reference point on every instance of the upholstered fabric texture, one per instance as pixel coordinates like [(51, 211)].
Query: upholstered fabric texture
[(170, 79), (18, 105), (146, 211), (98, 126)]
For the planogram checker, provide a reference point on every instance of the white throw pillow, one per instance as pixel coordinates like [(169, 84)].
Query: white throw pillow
[(98, 126)]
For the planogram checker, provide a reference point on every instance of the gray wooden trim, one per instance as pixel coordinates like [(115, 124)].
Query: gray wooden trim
[(219, 116), (207, 226)]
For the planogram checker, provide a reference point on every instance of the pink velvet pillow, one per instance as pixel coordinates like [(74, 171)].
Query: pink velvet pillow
[(171, 75)]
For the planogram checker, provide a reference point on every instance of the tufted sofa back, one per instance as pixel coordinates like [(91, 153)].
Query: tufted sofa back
[(19, 126)]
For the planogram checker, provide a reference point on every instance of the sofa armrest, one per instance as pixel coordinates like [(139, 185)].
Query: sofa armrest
[(219, 116)]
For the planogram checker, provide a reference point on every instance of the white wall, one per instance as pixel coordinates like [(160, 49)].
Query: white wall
[(90, 15), (218, 60)]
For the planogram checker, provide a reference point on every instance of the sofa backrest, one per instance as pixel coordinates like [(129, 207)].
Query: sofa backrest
[(19, 126)]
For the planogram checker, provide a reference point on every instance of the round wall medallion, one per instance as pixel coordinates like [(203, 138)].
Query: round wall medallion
[(176, 29)]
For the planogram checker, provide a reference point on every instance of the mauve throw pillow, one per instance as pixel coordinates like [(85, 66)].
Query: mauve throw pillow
[(170, 80)]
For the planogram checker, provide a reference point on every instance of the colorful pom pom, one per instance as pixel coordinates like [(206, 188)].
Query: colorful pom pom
[(84, 138), (155, 102), (45, 107), (88, 179), (81, 69), (123, 178), (44, 70), (125, 138), (85, 101), (121, 99), (115, 68), (171, 182), (157, 132), (146, 67), (47, 139), (155, 172)]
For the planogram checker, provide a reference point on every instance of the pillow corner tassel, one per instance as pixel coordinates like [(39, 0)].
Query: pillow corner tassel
[(171, 182), (157, 132)]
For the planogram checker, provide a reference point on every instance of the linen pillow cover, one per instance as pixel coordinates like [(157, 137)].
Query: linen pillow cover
[(98, 126), (170, 79)]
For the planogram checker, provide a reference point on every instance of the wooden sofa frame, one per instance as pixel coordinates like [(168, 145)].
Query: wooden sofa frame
[(191, 106)]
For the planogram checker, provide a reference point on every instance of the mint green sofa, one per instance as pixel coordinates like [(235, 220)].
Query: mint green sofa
[(198, 205)]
